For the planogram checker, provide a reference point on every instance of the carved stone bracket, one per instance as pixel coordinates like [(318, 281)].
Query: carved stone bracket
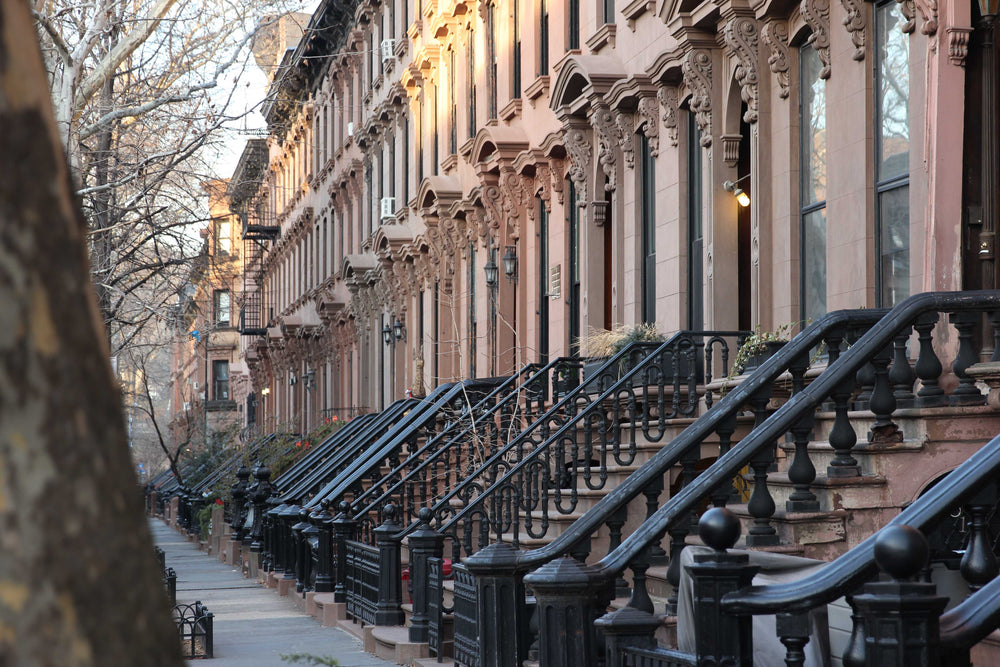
[(647, 113), (731, 149), (697, 71), (667, 95), (578, 148), (816, 14), (626, 128), (740, 34), (599, 212), (929, 14), (774, 35), (958, 45), (608, 139), (855, 21), (909, 12)]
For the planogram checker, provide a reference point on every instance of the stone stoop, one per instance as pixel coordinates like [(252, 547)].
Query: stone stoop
[(355, 629), (393, 643), (987, 652), (284, 585), (327, 611), (433, 662)]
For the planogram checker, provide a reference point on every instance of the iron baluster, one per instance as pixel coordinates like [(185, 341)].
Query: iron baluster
[(802, 472), (793, 631), (928, 367), (725, 430), (979, 563), (901, 375), (761, 505), (842, 436), (883, 402), (966, 393)]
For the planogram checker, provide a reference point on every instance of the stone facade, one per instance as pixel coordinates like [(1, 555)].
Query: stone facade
[(601, 144)]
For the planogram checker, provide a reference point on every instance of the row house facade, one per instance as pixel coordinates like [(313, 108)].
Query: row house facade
[(205, 358), (453, 189)]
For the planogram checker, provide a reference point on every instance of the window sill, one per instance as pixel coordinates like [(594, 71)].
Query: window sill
[(449, 163), (537, 87), (220, 406), (635, 9), (511, 110), (604, 36)]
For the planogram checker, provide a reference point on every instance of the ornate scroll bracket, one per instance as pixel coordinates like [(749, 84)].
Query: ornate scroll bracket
[(855, 22), (578, 148), (816, 14), (740, 35), (667, 95), (609, 137), (958, 45), (774, 35), (646, 112), (697, 71)]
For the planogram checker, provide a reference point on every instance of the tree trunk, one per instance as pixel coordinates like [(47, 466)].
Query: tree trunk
[(78, 581)]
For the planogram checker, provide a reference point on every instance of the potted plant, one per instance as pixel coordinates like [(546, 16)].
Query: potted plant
[(759, 347), (600, 345)]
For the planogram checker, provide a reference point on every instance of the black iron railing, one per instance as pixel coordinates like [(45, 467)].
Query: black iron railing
[(881, 346), (194, 623)]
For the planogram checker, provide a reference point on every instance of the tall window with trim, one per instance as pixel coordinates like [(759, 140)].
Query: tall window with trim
[(608, 11), (221, 307), (491, 46), (452, 105), (647, 196), (812, 138), (470, 82), (220, 380), (573, 29), (515, 79), (892, 155), (696, 233), (223, 237), (543, 37)]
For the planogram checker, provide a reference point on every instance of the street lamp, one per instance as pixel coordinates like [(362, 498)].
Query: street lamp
[(510, 263), (398, 330), (386, 334), (989, 8), (492, 273)]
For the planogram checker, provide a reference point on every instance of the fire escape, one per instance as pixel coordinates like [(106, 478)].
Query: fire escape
[(256, 238)]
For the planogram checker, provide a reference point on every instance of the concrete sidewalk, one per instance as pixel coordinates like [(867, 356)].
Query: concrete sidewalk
[(253, 626)]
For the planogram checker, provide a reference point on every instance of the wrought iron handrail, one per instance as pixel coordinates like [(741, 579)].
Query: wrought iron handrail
[(430, 409), (384, 422), (334, 445), (619, 384), (970, 621), (830, 580), (516, 386), (232, 462)]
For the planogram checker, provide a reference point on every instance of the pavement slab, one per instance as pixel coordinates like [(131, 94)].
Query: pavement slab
[(253, 626)]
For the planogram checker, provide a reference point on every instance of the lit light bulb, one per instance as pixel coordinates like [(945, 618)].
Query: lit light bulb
[(742, 198)]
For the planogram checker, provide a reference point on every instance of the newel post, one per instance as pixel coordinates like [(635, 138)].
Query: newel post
[(502, 615), (570, 597), (901, 618), (343, 531), (720, 638), (324, 561), (389, 609), (425, 543)]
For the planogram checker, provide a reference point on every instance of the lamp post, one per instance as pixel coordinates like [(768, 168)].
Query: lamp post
[(991, 144), (510, 270)]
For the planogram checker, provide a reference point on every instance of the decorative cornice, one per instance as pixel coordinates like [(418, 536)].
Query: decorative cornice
[(697, 70), (740, 35), (816, 14), (774, 35)]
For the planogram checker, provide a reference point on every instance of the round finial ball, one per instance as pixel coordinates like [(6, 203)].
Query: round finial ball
[(389, 511), (901, 551), (426, 514), (719, 528), (344, 506)]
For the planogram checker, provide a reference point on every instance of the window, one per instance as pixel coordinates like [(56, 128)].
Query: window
[(812, 138), (220, 307), (223, 237), (696, 233), (470, 77), (515, 79), (647, 192), (573, 223), (608, 10), (220, 380), (543, 38), (452, 105), (573, 36), (491, 45), (892, 158)]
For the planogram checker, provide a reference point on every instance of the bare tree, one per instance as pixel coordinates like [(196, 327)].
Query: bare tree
[(69, 505), (142, 91)]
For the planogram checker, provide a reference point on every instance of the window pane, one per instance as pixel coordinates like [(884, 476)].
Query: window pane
[(814, 264), (813, 128), (893, 93), (894, 217)]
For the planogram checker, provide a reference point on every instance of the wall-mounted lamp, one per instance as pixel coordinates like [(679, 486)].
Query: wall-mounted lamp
[(510, 263), (989, 8), (386, 334), (265, 391), (307, 379), (742, 198), (293, 378), (398, 330), (492, 273)]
